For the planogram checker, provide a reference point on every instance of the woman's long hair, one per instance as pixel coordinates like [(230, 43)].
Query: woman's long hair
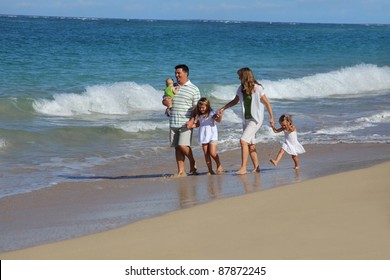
[(248, 80)]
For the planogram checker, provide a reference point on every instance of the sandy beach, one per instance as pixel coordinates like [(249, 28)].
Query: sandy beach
[(339, 214)]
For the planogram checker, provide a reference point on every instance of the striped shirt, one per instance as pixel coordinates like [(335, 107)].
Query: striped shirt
[(184, 101)]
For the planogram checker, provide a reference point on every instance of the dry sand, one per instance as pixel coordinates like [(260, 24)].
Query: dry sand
[(341, 216)]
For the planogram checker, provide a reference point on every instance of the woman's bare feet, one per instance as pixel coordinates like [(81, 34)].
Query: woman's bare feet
[(274, 162), (241, 172), (256, 170), (178, 175)]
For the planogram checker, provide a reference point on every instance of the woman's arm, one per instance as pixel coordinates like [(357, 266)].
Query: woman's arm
[(267, 105), (217, 117), (230, 104)]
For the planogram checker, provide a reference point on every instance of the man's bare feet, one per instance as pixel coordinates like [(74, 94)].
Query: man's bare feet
[(274, 162)]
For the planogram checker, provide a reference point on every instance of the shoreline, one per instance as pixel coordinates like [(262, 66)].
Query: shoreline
[(341, 216), (75, 209)]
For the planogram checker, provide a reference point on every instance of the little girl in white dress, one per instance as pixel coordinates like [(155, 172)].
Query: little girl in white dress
[(206, 119), (291, 144)]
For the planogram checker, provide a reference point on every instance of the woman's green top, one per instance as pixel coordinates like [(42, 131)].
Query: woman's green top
[(247, 106)]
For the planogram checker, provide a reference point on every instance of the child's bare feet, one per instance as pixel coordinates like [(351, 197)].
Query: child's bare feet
[(274, 162), (219, 169)]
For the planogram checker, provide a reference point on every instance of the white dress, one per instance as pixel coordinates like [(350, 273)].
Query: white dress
[(208, 129), (291, 144)]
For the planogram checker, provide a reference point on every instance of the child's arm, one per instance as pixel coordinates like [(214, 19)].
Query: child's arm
[(191, 123), (197, 124), (291, 127), (277, 130), (175, 90)]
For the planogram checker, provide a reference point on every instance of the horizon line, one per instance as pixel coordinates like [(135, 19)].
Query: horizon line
[(212, 20)]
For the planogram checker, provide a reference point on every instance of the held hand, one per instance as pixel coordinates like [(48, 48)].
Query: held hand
[(277, 130), (190, 124)]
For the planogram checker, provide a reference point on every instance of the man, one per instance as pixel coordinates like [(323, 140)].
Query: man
[(183, 103)]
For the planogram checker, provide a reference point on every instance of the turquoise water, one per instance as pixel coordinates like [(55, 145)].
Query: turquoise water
[(82, 96)]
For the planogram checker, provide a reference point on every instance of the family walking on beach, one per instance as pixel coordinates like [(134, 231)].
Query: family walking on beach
[(187, 110)]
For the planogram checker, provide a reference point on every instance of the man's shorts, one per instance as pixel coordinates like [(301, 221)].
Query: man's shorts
[(180, 136), (250, 129)]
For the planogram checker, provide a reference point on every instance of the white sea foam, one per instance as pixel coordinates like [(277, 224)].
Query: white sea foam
[(358, 124), (230, 116), (339, 130), (382, 117), (3, 144), (223, 92), (138, 126), (123, 97), (346, 82), (115, 99), (351, 81)]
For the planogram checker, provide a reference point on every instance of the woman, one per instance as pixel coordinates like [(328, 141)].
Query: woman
[(252, 98)]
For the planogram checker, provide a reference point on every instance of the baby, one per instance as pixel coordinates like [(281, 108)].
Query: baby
[(169, 93)]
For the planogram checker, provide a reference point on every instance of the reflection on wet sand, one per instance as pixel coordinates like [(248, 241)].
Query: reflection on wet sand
[(250, 183), (207, 188)]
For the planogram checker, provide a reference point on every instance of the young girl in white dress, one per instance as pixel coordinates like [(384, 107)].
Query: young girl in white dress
[(291, 144), (206, 118)]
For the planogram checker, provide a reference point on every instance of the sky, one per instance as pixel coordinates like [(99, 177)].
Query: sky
[(310, 11)]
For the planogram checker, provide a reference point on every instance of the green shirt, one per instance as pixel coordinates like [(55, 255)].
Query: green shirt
[(168, 92), (247, 106)]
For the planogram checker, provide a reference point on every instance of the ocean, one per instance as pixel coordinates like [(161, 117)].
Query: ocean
[(80, 98)]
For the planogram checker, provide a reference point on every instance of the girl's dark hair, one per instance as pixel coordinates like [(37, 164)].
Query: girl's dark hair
[(286, 118)]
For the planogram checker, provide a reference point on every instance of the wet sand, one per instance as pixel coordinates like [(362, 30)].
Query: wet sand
[(306, 218)]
